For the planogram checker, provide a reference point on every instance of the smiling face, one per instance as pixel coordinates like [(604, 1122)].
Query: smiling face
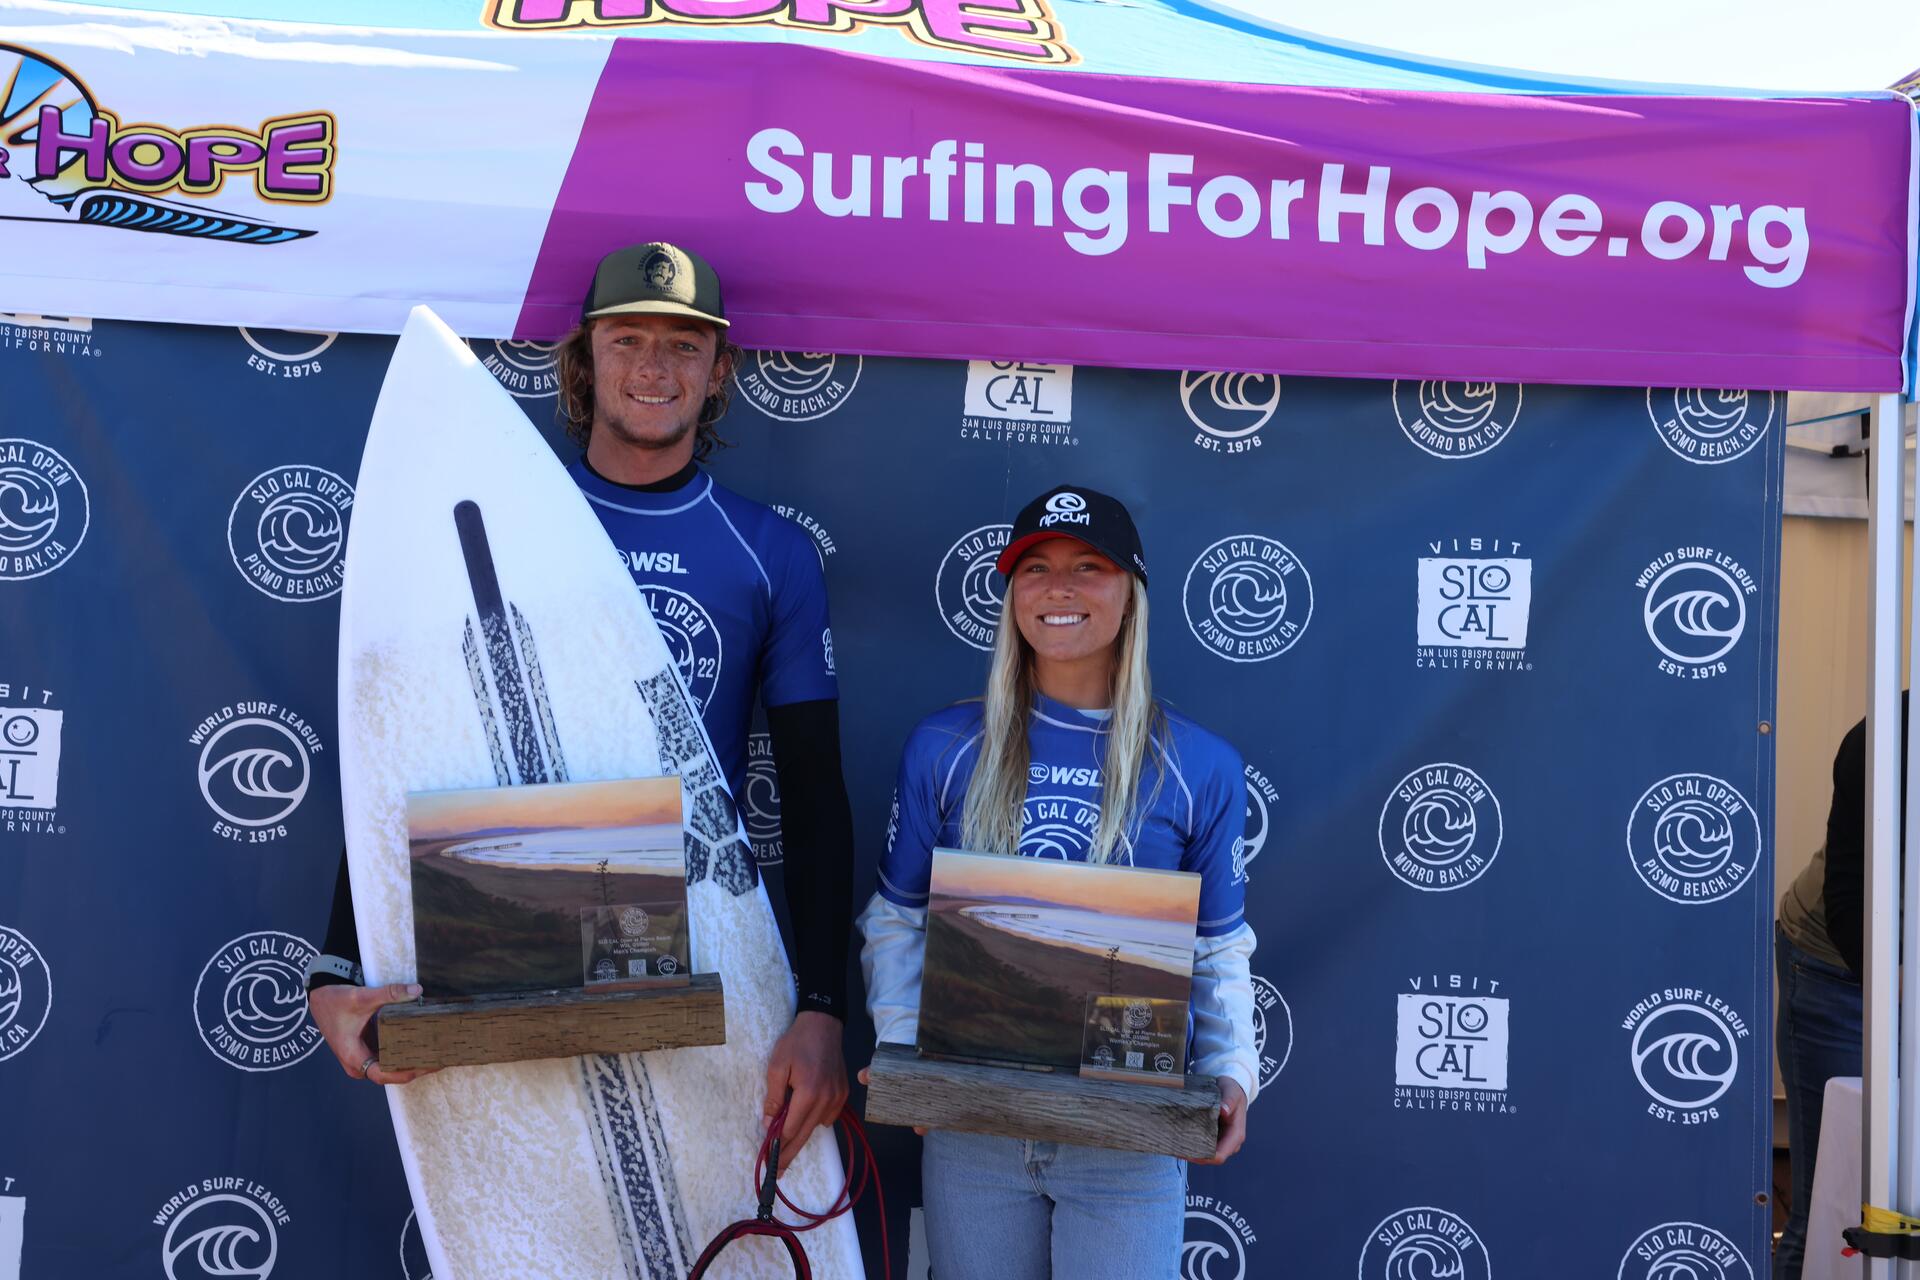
[(651, 375), (1069, 601)]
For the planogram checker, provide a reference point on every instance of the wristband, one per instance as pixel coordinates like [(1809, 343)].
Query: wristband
[(321, 968)]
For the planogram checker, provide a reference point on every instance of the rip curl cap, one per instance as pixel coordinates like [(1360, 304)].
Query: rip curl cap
[(1074, 511)]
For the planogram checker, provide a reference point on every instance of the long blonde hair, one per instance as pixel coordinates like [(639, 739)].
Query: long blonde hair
[(990, 821)]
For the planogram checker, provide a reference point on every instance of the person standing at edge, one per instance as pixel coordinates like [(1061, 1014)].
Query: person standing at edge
[(1069, 689), (643, 381)]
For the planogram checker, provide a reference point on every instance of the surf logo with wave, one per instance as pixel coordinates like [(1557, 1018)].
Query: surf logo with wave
[(1693, 838), (1456, 419), (1424, 1243), (1212, 1250), (1695, 612), (1229, 406), (1690, 1061), (1710, 414), (300, 533), (12, 993), (1684, 1251), (797, 386), (1422, 1256), (760, 801), (1686, 1264), (969, 589), (29, 509), (691, 640), (1438, 828), (1248, 597), (1458, 407), (66, 158), (265, 1000), (220, 1237), (254, 772)]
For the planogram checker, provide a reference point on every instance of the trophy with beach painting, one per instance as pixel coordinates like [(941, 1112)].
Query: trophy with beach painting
[(548, 917), (1054, 1006)]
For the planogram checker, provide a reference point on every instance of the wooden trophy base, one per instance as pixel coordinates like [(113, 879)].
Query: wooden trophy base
[(1047, 1106), (523, 1025)]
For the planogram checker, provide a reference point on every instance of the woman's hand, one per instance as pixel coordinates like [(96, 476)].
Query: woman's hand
[(1233, 1121), (343, 1013), (919, 1128)]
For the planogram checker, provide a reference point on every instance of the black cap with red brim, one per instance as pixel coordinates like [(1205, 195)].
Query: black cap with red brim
[(1074, 511)]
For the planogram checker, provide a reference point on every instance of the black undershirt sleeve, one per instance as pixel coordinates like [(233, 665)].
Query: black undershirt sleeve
[(343, 936), (816, 829)]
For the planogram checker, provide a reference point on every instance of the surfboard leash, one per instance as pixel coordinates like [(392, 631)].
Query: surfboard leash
[(856, 1156)]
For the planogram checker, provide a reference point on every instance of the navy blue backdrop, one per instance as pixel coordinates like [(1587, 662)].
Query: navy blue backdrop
[(1500, 660)]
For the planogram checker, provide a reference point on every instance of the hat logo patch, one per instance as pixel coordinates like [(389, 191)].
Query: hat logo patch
[(1065, 508), (659, 270)]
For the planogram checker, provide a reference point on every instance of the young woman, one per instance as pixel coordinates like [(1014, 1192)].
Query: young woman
[(1068, 714)]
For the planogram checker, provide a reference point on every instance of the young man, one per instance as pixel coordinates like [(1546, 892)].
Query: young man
[(740, 599)]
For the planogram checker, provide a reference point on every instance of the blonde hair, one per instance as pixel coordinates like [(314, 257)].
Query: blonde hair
[(990, 821)]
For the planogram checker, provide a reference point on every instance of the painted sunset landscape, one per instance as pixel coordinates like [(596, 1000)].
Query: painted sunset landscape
[(1016, 945), (502, 875)]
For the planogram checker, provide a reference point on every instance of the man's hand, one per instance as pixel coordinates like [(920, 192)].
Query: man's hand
[(343, 1013), (1233, 1121), (806, 1060)]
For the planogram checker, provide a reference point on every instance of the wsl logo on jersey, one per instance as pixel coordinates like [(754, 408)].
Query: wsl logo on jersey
[(286, 353), (70, 336), (1710, 427), (760, 802), (43, 510), (1012, 402), (1684, 1251), (1693, 838), (967, 586), (1456, 419), (1219, 1242), (66, 158), (691, 638), (1248, 598), (221, 1227), (797, 386), (287, 532), (1440, 828), (1685, 1052), (250, 1002), (1695, 609), (1475, 598), (1450, 1047), (29, 760), (26, 992), (524, 368), (1229, 408), (1272, 1030), (255, 765), (1423, 1242)]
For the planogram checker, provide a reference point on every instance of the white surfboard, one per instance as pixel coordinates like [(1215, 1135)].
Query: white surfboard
[(490, 636)]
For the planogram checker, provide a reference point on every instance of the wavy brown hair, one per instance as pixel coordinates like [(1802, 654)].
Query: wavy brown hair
[(573, 363)]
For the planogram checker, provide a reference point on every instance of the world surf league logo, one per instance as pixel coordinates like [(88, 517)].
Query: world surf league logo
[(1229, 408), (1695, 609), (1017, 30), (1218, 1241), (1685, 1052), (221, 1227), (66, 158), (255, 765)]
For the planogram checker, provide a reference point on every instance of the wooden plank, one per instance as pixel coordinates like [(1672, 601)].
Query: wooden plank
[(552, 1024), (1046, 1106)]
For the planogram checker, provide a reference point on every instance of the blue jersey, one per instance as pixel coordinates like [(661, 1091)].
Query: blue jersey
[(737, 592), (1193, 823)]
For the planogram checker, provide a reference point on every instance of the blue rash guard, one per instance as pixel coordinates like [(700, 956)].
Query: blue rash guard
[(737, 592), (1193, 821)]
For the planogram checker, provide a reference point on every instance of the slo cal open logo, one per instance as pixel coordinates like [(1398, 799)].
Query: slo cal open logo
[(65, 157)]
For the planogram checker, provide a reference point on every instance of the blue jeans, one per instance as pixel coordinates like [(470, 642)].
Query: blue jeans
[(1817, 1037), (1005, 1209)]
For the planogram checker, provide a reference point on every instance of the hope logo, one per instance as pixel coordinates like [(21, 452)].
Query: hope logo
[(224, 1235), (1456, 419), (1440, 828), (1062, 827), (1710, 427), (523, 367), (1272, 1030), (1695, 611), (1229, 408), (1693, 838), (1424, 1243), (968, 589), (287, 532), (1217, 1241), (760, 801), (26, 992), (1261, 796), (254, 772), (797, 386), (250, 1002), (1684, 1251), (1452, 1042), (1686, 1055), (43, 510), (1248, 598), (691, 638)]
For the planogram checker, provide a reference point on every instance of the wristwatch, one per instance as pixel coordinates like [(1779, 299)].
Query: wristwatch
[(327, 970)]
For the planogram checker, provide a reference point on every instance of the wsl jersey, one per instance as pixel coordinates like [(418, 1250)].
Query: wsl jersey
[(1192, 822), (737, 592)]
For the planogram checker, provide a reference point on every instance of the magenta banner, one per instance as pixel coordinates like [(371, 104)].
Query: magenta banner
[(863, 205)]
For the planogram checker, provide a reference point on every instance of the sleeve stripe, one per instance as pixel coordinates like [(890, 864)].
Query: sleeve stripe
[(947, 780), (744, 546), (1221, 923), (899, 895)]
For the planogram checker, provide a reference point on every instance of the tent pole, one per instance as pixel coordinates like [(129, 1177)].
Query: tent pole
[(1880, 1094), (1907, 1177)]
